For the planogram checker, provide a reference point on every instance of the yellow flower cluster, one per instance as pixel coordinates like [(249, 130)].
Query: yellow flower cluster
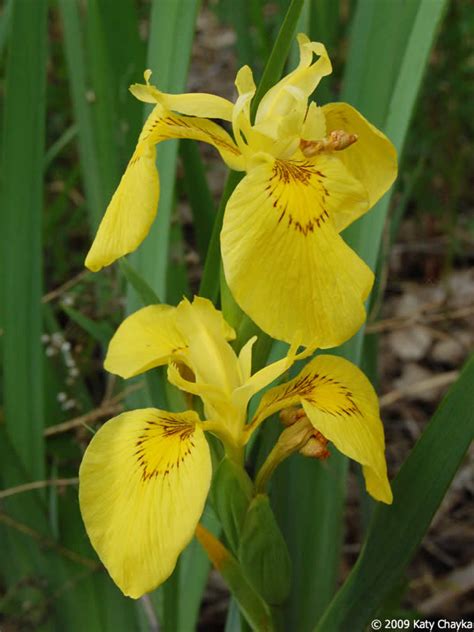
[(310, 171)]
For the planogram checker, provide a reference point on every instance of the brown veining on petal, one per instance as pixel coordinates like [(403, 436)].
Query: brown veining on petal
[(163, 446), (287, 180)]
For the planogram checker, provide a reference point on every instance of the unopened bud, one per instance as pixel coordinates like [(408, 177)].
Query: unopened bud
[(316, 447), (290, 416)]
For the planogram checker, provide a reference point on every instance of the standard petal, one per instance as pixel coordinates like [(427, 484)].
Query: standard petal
[(146, 339), (131, 211), (144, 480), (211, 358), (297, 85), (340, 402), (284, 261), (372, 159), (218, 406)]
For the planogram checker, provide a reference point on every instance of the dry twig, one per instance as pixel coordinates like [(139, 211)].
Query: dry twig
[(436, 381)]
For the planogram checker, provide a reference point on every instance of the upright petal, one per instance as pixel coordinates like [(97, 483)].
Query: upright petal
[(211, 358), (340, 402), (146, 339), (144, 480), (131, 211), (284, 261), (372, 159), (280, 99)]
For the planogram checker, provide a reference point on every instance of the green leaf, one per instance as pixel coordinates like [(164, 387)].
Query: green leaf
[(232, 492), (21, 230), (396, 530), (82, 99), (141, 287), (101, 332), (198, 194), (263, 553)]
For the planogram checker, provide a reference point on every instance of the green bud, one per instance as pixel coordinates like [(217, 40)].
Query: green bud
[(263, 553), (232, 491)]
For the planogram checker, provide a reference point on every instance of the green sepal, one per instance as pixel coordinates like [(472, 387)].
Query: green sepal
[(263, 553), (232, 492)]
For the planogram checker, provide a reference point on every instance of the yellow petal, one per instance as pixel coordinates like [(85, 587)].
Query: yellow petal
[(241, 126), (341, 403), (146, 339), (143, 483), (284, 261), (245, 359), (211, 358), (265, 376), (314, 126), (192, 103), (280, 99), (164, 125), (130, 213), (218, 406), (372, 159)]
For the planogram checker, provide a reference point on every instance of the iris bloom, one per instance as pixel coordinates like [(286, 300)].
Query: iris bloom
[(146, 474), (310, 172)]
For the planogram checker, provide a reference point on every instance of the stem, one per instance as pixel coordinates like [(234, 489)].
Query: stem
[(234, 448)]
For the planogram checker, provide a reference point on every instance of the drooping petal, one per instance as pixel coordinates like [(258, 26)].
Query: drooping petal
[(284, 261), (133, 207), (280, 99), (164, 125), (146, 339), (372, 159), (143, 483), (340, 402), (131, 211)]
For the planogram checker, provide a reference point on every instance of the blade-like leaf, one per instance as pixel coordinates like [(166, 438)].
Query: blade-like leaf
[(21, 222)]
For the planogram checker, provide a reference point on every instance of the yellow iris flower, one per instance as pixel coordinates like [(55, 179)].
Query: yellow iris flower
[(311, 171), (146, 474)]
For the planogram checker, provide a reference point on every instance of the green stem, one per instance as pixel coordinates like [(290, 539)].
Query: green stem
[(234, 448)]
